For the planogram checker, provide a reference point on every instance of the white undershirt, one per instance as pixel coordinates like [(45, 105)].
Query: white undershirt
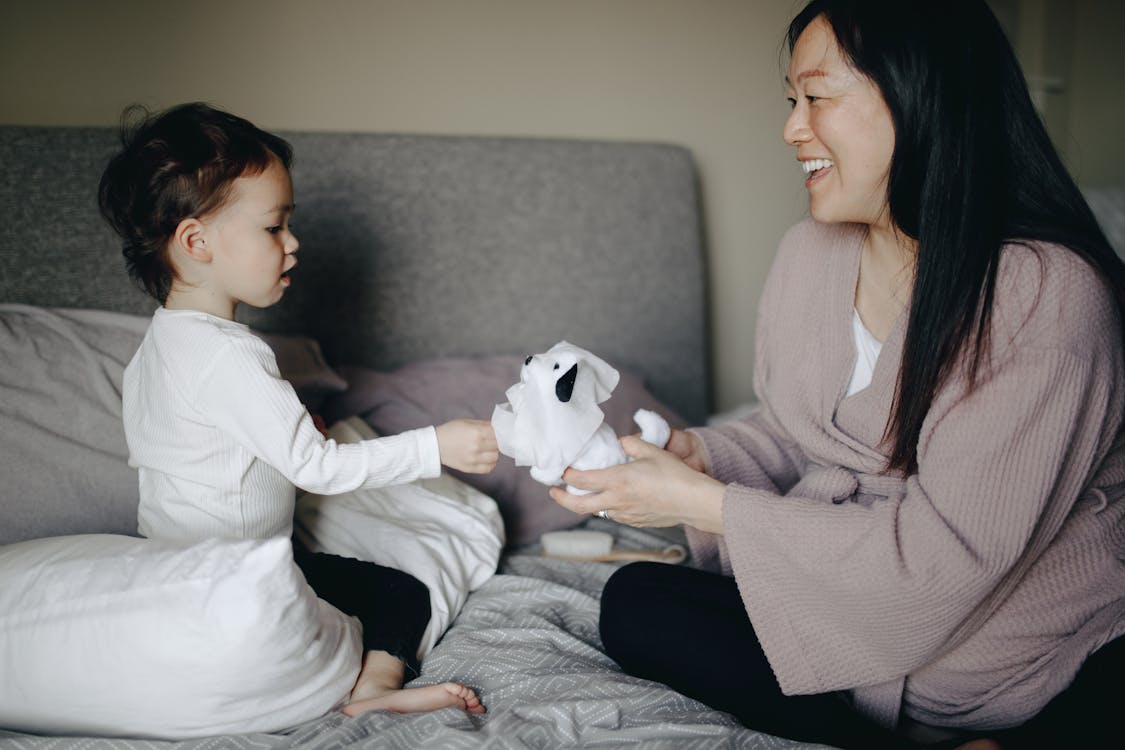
[(867, 349)]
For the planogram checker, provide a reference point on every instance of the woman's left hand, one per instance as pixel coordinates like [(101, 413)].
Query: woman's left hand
[(655, 489)]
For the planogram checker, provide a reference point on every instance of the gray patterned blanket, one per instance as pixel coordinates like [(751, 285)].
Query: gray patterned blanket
[(527, 641)]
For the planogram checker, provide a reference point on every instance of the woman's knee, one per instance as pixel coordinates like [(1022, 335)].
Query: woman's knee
[(628, 592), (623, 609), (634, 603)]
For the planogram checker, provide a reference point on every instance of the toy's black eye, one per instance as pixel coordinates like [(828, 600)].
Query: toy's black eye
[(528, 360), (556, 366)]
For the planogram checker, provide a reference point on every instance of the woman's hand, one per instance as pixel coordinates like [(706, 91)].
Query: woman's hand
[(689, 447), (468, 445), (657, 488)]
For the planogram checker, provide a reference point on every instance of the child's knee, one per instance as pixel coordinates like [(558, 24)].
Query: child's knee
[(411, 595)]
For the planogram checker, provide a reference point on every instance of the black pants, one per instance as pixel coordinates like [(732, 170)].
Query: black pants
[(392, 606), (689, 630)]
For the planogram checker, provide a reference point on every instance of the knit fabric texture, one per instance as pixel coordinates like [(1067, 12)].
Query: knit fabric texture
[(969, 593)]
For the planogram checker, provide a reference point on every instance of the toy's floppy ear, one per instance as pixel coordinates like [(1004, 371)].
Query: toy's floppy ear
[(564, 386), (605, 377), (510, 436), (517, 396)]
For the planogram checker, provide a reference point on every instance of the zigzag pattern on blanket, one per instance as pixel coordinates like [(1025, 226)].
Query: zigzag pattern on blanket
[(528, 642)]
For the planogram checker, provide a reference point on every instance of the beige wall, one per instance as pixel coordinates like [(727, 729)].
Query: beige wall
[(1095, 145), (701, 73), (1070, 53)]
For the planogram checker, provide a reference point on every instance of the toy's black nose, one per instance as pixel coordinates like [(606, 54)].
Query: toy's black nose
[(528, 360)]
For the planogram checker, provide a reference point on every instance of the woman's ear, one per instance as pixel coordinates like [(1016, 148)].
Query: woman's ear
[(189, 241)]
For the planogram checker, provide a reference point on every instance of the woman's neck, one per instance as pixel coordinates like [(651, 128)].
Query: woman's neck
[(886, 278), (890, 248)]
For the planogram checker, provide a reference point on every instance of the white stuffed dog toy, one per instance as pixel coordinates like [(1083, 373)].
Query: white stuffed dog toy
[(552, 419)]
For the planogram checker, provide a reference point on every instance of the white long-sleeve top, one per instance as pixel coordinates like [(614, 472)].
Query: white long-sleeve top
[(220, 440)]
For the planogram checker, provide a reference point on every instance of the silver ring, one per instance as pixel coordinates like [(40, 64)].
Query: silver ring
[(603, 514)]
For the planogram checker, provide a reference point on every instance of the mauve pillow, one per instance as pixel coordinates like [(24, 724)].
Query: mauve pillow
[(435, 391)]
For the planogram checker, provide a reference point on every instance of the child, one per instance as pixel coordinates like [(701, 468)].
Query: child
[(202, 200)]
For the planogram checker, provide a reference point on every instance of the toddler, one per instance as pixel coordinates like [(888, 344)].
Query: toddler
[(202, 201)]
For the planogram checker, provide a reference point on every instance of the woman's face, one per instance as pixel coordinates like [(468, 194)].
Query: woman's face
[(842, 130)]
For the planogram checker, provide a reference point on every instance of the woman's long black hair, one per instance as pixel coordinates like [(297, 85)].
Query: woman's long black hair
[(973, 167)]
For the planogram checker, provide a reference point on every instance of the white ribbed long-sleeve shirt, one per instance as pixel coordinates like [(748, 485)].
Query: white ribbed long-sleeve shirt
[(220, 440)]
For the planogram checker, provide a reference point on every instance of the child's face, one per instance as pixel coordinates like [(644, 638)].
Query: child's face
[(250, 242)]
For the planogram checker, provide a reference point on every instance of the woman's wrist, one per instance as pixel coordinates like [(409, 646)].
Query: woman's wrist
[(706, 512)]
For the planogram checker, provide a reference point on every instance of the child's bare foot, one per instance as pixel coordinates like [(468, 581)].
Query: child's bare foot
[(414, 700), (379, 687)]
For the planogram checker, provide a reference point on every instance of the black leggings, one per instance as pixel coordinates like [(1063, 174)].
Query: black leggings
[(688, 629), (392, 606)]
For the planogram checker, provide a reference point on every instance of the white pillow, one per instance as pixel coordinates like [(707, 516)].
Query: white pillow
[(443, 532), (113, 635)]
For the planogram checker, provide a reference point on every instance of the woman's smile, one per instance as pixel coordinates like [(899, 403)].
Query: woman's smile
[(816, 169)]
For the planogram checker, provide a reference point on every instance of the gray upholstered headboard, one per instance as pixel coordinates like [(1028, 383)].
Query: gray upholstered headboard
[(415, 247)]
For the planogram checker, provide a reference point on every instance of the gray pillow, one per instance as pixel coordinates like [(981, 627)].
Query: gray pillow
[(63, 458), (435, 391)]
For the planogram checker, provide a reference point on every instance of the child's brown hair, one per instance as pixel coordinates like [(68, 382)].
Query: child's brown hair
[(174, 165)]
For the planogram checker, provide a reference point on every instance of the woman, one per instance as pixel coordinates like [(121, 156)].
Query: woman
[(921, 526)]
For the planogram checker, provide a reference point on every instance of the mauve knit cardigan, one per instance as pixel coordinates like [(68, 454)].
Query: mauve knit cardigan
[(969, 593)]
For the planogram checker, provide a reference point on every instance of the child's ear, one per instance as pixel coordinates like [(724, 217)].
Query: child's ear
[(189, 240)]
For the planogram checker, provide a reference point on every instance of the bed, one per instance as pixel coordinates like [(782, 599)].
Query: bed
[(429, 267)]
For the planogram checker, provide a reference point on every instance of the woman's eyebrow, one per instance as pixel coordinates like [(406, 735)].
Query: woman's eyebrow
[(817, 73)]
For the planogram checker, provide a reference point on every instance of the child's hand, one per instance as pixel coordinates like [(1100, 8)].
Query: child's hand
[(468, 445)]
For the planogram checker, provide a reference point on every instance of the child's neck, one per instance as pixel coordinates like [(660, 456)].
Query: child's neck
[(200, 299)]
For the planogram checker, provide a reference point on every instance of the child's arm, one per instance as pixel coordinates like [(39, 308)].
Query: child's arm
[(468, 445), (242, 393)]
